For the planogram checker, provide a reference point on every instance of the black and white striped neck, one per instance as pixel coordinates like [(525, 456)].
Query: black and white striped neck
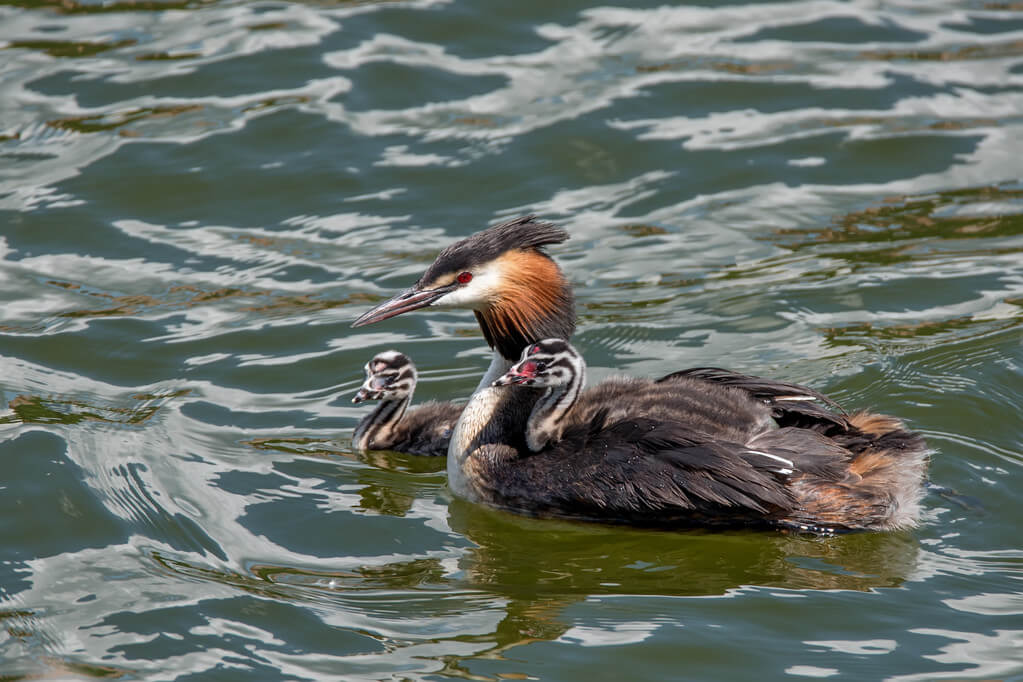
[(390, 378), (377, 430), (564, 375)]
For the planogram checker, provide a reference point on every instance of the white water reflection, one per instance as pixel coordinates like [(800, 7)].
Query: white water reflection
[(811, 671), (869, 647), (989, 604), (616, 634), (971, 653)]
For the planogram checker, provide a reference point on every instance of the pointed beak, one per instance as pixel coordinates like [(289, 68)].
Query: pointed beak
[(371, 389), (514, 377), (408, 300), (363, 395)]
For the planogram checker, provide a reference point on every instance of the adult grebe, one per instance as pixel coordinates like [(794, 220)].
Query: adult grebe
[(591, 457), (426, 430), (520, 296)]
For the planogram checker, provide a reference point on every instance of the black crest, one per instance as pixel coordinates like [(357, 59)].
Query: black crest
[(525, 232)]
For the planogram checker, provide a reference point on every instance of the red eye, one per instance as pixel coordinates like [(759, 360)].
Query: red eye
[(464, 278)]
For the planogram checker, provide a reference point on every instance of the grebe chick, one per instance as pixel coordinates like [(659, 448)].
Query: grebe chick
[(426, 430), (587, 460), (552, 364)]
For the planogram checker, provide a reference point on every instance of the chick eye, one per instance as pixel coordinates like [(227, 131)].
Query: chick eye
[(464, 278), (541, 366)]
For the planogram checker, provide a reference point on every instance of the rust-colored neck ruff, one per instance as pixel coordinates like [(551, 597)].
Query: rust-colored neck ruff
[(534, 302)]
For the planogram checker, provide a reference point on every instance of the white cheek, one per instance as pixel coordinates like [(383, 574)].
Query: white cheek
[(477, 293)]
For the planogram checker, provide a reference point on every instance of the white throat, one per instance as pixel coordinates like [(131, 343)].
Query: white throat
[(478, 414), (498, 366)]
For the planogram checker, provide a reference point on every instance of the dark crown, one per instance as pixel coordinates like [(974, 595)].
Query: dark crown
[(520, 233)]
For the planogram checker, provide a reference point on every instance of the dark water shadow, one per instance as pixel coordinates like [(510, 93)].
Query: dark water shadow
[(522, 556), (544, 567)]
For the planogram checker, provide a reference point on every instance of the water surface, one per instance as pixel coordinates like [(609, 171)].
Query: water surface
[(197, 198)]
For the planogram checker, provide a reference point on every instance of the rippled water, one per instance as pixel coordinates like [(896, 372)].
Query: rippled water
[(198, 197)]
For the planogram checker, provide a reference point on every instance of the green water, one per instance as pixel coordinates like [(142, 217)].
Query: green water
[(197, 199)]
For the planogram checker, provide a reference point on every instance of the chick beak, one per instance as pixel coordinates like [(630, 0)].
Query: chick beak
[(412, 298), (517, 375), (361, 395), (371, 389)]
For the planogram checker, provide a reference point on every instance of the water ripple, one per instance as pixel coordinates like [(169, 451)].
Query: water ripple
[(199, 198)]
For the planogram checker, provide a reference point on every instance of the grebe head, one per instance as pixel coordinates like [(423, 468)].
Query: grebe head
[(516, 290), (389, 376), (551, 362)]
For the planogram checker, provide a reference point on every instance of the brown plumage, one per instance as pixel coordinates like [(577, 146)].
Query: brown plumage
[(672, 458), (524, 301)]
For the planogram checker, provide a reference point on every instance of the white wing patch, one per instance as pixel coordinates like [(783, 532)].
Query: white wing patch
[(789, 464)]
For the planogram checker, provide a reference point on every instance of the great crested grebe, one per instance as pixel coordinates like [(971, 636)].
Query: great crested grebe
[(520, 296), (426, 430), (585, 445)]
